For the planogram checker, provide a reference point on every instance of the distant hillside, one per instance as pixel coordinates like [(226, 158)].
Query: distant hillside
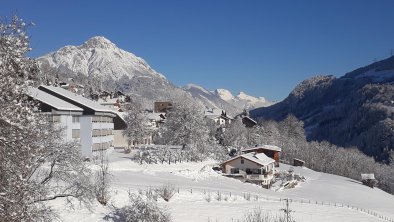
[(354, 110)]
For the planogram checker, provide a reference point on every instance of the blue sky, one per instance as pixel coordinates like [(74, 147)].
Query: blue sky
[(264, 48)]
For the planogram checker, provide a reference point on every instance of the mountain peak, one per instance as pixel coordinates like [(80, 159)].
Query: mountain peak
[(224, 94), (98, 42), (192, 86)]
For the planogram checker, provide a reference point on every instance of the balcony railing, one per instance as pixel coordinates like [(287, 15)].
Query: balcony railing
[(259, 176)]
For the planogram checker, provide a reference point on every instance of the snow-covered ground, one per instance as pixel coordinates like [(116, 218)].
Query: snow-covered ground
[(323, 197)]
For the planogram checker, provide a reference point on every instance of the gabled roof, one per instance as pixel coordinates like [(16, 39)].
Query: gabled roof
[(75, 99), (265, 147), (259, 158), (252, 120), (52, 101)]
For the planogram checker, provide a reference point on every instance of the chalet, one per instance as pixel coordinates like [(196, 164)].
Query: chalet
[(220, 117), (91, 122), (252, 167), (269, 150), (298, 162), (249, 122), (246, 119), (369, 180)]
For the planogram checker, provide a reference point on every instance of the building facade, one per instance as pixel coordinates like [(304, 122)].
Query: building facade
[(82, 119)]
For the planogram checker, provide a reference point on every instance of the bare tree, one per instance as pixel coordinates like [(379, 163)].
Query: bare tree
[(102, 178)]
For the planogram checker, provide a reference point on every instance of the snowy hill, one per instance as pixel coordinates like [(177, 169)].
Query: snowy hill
[(322, 197), (222, 98)]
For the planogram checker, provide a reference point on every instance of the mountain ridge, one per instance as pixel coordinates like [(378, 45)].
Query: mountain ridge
[(356, 109)]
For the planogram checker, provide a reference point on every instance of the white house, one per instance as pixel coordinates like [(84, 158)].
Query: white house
[(96, 123), (253, 167), (220, 117)]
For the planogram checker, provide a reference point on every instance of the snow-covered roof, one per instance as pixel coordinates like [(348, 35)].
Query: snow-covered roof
[(266, 147), (77, 99), (259, 158), (52, 101), (213, 112), (369, 176), (216, 113)]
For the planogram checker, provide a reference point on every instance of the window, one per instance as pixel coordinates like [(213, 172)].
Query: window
[(100, 146), (55, 119), (75, 119), (76, 133), (242, 161), (96, 119), (95, 133), (234, 170), (253, 171)]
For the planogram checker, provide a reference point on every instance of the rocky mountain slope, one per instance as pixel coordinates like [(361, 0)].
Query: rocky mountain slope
[(100, 64), (242, 99), (354, 110), (224, 99)]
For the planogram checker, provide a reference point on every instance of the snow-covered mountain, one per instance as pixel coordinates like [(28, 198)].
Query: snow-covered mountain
[(99, 57), (100, 64), (242, 99), (210, 99), (223, 97)]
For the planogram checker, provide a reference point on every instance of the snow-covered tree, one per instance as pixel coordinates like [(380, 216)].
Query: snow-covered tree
[(136, 121), (235, 135), (36, 165), (186, 126), (142, 208)]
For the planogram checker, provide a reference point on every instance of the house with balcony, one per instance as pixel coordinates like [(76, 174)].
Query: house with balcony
[(88, 121), (251, 167)]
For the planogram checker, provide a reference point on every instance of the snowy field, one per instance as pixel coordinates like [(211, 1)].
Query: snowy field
[(323, 197)]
